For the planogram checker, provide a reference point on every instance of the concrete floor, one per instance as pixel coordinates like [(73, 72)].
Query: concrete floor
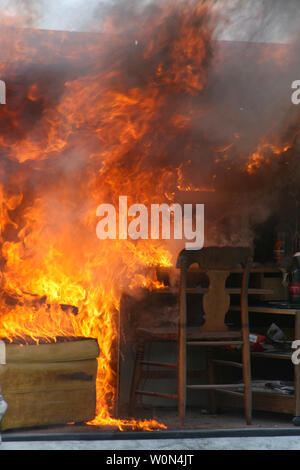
[(219, 443), (201, 431)]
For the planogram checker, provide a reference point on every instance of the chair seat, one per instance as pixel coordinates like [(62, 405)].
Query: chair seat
[(193, 333)]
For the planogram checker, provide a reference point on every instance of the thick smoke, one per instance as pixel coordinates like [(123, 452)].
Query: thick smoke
[(241, 104), (23, 13)]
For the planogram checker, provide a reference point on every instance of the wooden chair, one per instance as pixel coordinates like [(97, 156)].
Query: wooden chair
[(216, 263)]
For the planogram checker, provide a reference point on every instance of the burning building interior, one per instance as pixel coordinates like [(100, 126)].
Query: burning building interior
[(156, 108)]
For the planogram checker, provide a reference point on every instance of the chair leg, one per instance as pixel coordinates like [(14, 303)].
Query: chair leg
[(181, 395), (247, 382), (137, 372), (181, 377), (211, 381)]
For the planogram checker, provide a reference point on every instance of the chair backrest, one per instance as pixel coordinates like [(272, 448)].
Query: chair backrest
[(217, 263)]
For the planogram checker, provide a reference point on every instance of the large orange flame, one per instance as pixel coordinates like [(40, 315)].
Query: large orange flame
[(70, 144)]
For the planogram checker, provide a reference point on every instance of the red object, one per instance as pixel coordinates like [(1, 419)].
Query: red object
[(257, 341), (294, 285), (294, 288)]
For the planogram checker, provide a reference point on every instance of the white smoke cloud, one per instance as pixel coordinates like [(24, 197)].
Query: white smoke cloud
[(243, 20), (275, 21)]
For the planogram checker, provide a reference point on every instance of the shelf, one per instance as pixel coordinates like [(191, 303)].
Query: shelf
[(273, 354), (273, 393), (204, 290), (259, 386), (267, 309), (255, 269), (263, 399), (264, 354)]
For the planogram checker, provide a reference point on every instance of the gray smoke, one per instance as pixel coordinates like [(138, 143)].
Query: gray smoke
[(242, 20), (24, 12), (246, 99), (259, 20)]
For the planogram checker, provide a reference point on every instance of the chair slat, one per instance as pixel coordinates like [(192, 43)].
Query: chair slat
[(227, 363), (156, 394), (214, 343), (214, 386), (159, 364)]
